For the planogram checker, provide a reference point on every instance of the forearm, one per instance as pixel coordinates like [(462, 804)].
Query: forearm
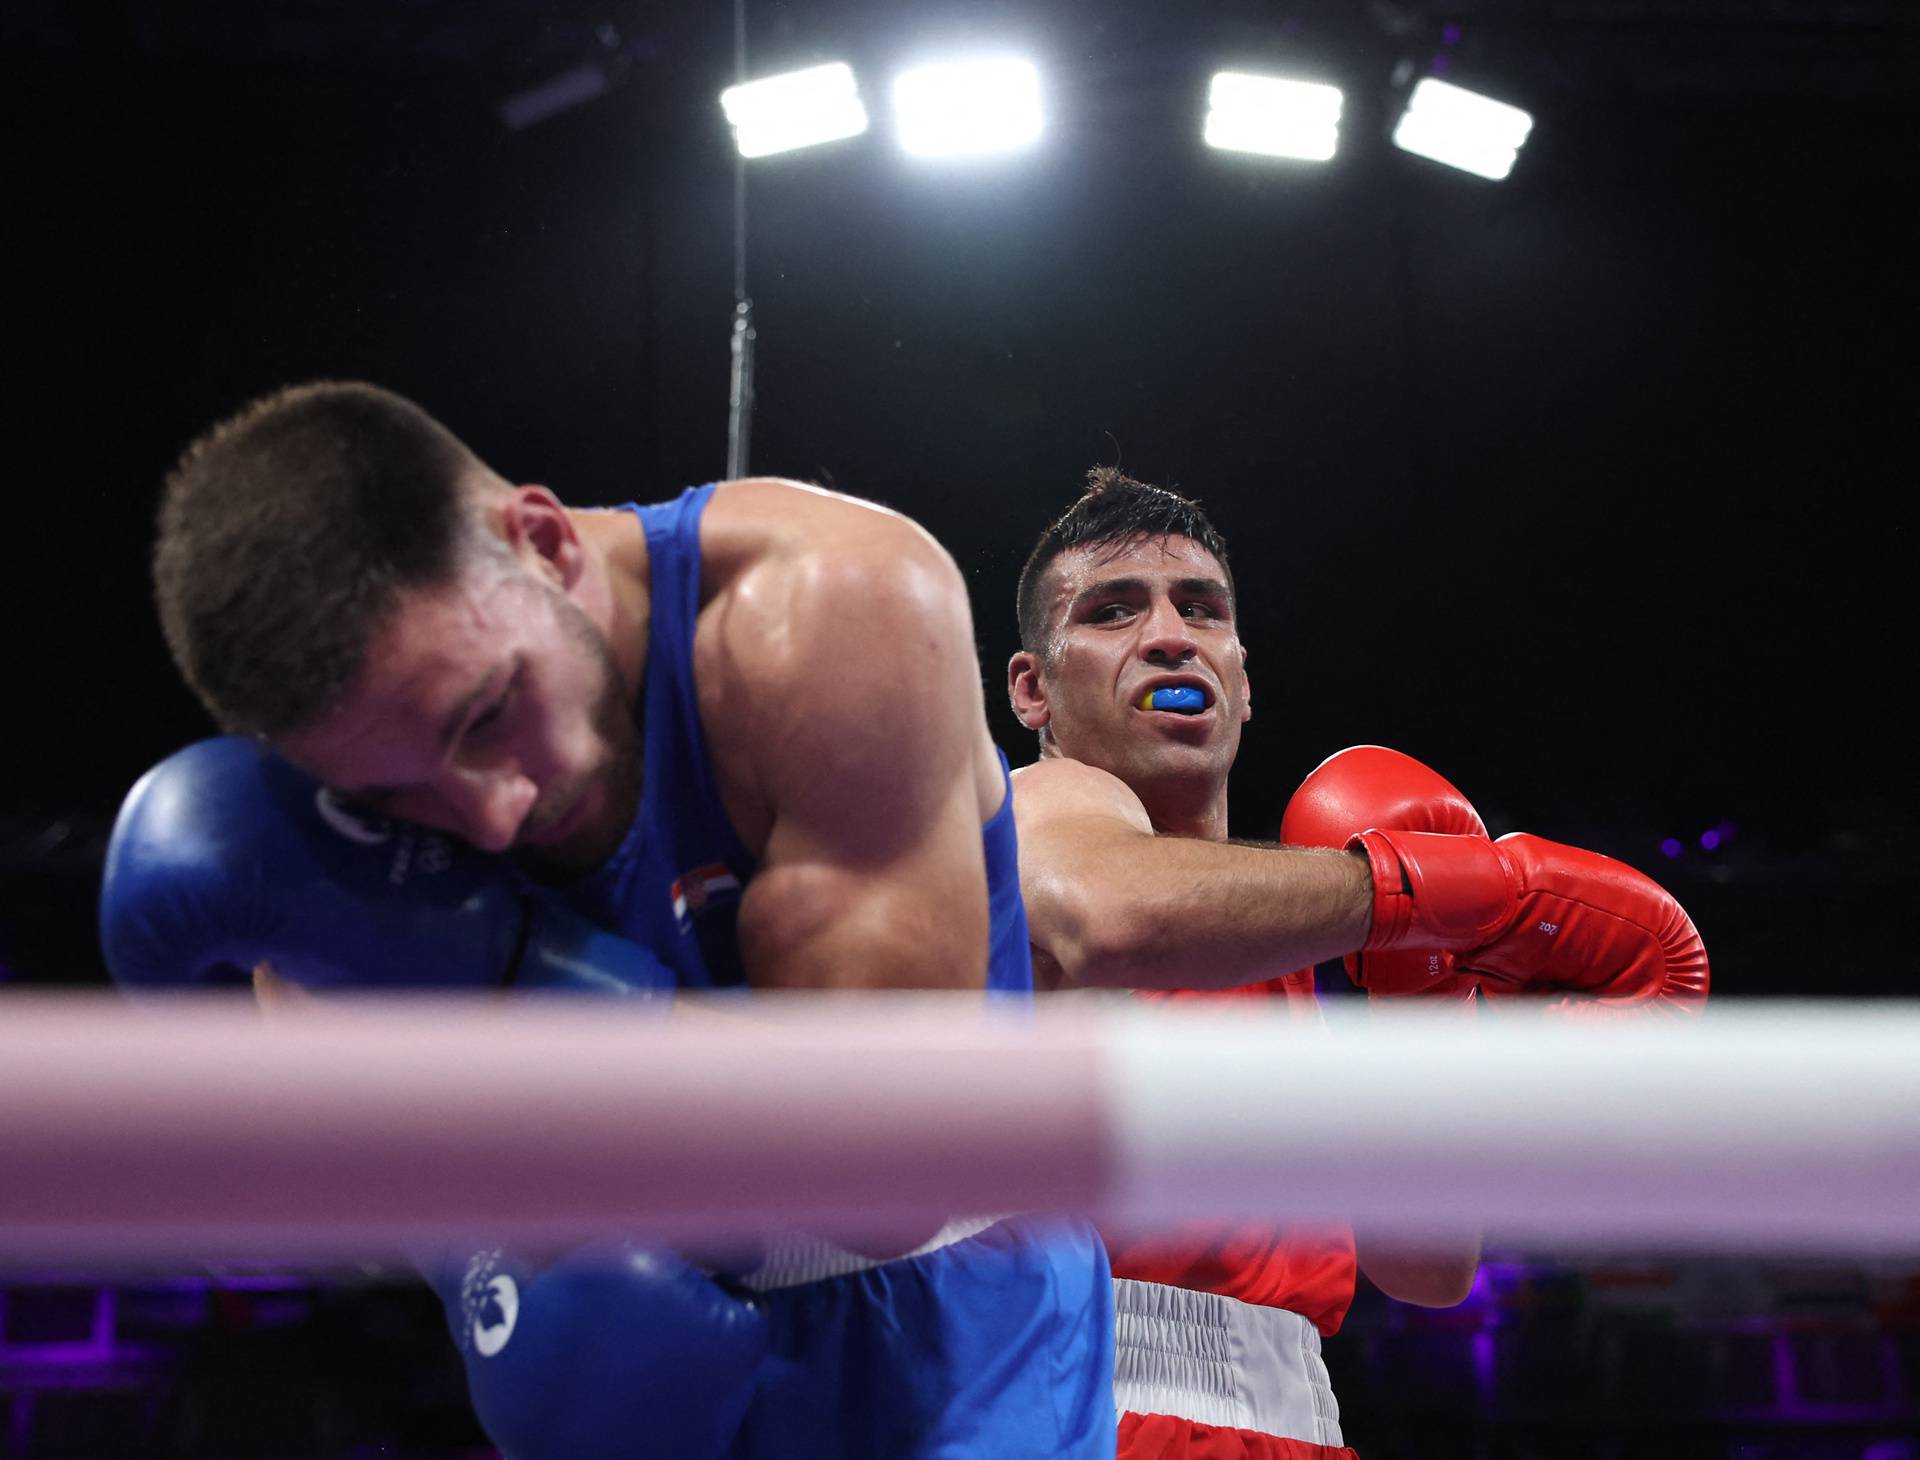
[(1132, 910)]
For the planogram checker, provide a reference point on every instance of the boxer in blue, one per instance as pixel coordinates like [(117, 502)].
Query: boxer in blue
[(745, 730)]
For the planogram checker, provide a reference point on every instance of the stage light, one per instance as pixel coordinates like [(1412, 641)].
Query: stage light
[(960, 107), (1462, 129), (795, 109), (1273, 116)]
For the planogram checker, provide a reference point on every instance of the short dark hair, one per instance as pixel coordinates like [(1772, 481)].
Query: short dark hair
[(1117, 509), (286, 535)]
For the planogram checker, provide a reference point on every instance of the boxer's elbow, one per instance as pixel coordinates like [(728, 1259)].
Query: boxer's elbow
[(1429, 1276)]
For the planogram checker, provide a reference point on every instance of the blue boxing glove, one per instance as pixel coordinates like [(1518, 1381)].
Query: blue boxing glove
[(614, 1352), (225, 856)]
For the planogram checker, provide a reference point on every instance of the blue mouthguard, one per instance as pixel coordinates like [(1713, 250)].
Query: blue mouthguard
[(1178, 697)]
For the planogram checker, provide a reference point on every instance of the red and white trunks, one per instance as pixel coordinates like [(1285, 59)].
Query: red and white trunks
[(1201, 1376)]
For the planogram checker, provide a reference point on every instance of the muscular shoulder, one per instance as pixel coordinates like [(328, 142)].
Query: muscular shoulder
[(813, 589), (835, 640), (765, 529), (1060, 789)]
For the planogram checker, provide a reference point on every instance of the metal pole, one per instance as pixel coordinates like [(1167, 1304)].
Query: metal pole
[(740, 381)]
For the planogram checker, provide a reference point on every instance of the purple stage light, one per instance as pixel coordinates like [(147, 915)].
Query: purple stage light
[(1709, 839), (1486, 1368), (1671, 847), (1449, 34)]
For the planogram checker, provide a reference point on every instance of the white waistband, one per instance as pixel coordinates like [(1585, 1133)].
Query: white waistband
[(1219, 1361), (793, 1258)]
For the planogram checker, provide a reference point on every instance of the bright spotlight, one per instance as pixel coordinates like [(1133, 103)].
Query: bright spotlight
[(967, 106), (796, 109), (1273, 116), (1462, 129)]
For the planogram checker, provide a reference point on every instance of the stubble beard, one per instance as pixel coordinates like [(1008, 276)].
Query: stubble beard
[(617, 774)]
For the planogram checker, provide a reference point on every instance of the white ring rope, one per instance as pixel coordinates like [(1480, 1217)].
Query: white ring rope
[(193, 1129)]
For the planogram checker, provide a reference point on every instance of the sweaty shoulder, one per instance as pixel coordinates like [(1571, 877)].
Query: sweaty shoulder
[(830, 629), (766, 522), (1058, 788)]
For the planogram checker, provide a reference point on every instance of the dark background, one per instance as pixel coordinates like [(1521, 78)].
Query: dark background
[(1591, 488), (1588, 487)]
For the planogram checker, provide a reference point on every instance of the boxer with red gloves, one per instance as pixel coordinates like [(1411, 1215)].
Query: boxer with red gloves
[(1132, 655), (1133, 674)]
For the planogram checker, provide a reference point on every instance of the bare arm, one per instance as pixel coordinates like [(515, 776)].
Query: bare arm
[(856, 668), (1117, 906)]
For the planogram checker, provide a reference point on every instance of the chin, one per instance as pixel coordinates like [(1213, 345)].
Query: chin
[(1169, 759), (612, 799), (596, 840), (587, 834)]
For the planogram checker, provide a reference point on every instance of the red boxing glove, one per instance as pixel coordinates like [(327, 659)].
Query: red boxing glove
[(1521, 914), (1371, 786)]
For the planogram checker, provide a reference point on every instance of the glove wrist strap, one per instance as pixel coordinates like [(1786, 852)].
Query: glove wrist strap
[(1434, 890)]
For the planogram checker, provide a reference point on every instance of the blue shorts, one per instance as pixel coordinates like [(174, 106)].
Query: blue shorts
[(995, 1347)]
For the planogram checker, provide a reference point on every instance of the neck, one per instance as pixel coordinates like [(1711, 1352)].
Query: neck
[(1189, 806), (1186, 808), (619, 596)]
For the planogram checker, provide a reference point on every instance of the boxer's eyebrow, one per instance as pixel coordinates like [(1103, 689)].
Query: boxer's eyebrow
[(1107, 588), (1203, 588), (1134, 587)]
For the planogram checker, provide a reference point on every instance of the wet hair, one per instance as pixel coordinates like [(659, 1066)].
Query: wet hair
[(286, 535), (1114, 509)]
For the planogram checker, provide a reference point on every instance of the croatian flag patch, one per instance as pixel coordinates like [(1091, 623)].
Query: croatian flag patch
[(702, 888)]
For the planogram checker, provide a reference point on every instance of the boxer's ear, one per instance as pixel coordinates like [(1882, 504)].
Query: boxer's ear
[(1026, 691), (540, 531)]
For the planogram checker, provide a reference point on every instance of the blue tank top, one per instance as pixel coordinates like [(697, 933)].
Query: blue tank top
[(674, 883), (998, 1345)]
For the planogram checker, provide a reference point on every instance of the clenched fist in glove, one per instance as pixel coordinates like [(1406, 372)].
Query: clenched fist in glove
[(1521, 915)]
